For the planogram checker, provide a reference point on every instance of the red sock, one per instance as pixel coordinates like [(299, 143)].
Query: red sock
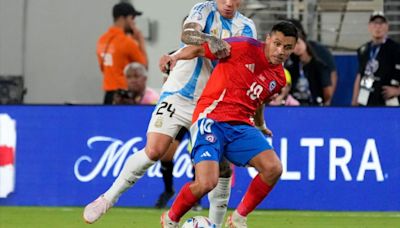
[(182, 204), (256, 192)]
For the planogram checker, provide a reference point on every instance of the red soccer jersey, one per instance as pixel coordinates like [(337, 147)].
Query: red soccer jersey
[(239, 83)]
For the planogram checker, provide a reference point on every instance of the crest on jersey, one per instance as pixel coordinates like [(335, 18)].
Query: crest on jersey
[(251, 67), (272, 85)]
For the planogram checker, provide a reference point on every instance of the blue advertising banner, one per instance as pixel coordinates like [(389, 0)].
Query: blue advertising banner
[(333, 158)]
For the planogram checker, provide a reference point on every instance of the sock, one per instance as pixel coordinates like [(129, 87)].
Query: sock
[(219, 198), (134, 168), (166, 169), (256, 192), (182, 204)]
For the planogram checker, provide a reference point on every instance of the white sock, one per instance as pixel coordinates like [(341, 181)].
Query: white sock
[(134, 168), (219, 198)]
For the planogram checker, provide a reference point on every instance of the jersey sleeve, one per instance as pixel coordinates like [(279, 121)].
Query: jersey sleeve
[(134, 52), (199, 14), (207, 52), (249, 29)]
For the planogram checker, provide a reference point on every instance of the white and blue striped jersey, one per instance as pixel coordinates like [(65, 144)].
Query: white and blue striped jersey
[(189, 77)]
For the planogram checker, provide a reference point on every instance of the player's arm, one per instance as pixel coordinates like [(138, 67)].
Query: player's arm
[(192, 35), (167, 62), (259, 121)]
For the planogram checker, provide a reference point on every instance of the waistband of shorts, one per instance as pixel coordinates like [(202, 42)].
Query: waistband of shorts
[(234, 123)]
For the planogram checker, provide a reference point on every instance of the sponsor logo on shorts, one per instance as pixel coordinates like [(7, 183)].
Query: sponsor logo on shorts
[(205, 155)]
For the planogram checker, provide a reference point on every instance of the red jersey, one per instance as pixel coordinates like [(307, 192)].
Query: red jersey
[(239, 83)]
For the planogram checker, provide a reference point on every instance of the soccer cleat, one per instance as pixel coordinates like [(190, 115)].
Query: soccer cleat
[(163, 199), (166, 222), (236, 221), (94, 210)]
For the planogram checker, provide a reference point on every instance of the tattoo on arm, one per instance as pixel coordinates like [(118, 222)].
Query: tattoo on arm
[(193, 35)]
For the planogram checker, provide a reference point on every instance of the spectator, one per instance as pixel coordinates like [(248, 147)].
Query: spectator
[(378, 78), (138, 92), (310, 76), (115, 50), (284, 98), (322, 52)]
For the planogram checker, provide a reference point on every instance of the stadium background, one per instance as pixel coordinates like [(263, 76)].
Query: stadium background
[(59, 148), (53, 42)]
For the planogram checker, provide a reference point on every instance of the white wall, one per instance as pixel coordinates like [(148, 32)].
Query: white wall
[(60, 60)]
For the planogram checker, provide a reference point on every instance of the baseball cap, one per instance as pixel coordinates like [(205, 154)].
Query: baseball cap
[(125, 9), (377, 14)]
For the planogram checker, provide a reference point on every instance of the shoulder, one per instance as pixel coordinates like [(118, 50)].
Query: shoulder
[(208, 5), (392, 44), (244, 19), (244, 40), (363, 49), (320, 48)]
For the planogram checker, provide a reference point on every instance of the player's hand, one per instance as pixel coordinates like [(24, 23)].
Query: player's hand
[(167, 62), (390, 91), (265, 130), (219, 48)]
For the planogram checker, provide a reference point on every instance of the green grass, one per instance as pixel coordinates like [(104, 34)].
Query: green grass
[(143, 218)]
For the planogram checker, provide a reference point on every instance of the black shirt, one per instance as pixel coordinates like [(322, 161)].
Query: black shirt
[(388, 72), (318, 75)]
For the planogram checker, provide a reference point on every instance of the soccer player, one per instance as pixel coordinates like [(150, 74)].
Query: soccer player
[(208, 22), (223, 120)]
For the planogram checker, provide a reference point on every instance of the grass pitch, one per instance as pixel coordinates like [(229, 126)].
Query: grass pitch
[(143, 218)]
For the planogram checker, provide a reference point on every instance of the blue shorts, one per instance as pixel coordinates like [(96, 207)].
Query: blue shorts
[(212, 140)]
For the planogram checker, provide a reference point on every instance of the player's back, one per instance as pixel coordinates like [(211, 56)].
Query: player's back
[(240, 83), (189, 77)]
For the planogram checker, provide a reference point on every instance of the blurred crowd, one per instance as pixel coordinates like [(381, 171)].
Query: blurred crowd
[(310, 71)]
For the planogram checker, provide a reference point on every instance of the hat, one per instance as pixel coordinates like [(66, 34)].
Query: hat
[(125, 9), (377, 14)]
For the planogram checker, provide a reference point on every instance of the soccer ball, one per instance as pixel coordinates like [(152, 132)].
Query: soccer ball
[(198, 222)]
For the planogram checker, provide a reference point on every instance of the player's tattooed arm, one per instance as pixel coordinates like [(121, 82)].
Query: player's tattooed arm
[(193, 35)]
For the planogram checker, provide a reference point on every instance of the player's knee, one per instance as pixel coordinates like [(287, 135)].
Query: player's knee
[(225, 170), (207, 184), (275, 169), (155, 153)]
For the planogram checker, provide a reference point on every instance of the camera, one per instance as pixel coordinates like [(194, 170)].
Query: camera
[(124, 94)]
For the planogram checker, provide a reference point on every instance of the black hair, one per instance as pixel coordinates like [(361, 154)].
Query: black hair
[(287, 28), (300, 28)]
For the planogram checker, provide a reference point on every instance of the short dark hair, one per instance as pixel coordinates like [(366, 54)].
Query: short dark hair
[(300, 28), (287, 28), (124, 9)]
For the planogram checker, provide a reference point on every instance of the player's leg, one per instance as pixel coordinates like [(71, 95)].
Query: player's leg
[(162, 129), (134, 168), (269, 167), (167, 166), (190, 193), (219, 196), (207, 144), (251, 148)]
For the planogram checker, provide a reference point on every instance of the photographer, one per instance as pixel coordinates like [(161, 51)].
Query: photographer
[(378, 80), (137, 93)]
